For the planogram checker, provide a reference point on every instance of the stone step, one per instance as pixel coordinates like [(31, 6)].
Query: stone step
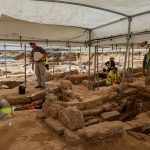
[(92, 112), (72, 138), (110, 116), (102, 132), (55, 125), (92, 121)]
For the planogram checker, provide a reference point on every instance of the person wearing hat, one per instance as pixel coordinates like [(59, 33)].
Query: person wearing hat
[(146, 67), (38, 56), (110, 64), (113, 77)]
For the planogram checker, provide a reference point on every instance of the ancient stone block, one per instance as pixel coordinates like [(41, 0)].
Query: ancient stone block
[(94, 111), (102, 132), (144, 94), (54, 109), (93, 101), (41, 115), (129, 91), (53, 89), (72, 138), (18, 99), (11, 83), (55, 125), (65, 85), (52, 98), (38, 95), (110, 116), (107, 107), (71, 118), (92, 121)]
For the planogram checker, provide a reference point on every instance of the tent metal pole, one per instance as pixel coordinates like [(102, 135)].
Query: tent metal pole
[(119, 56), (102, 57), (86, 5), (53, 61), (140, 14), (119, 20), (132, 46), (70, 63), (80, 55), (94, 66), (89, 44), (128, 59), (25, 64), (110, 23), (120, 36), (127, 46), (5, 59), (97, 69)]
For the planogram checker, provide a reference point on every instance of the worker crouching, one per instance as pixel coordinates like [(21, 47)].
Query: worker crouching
[(113, 77)]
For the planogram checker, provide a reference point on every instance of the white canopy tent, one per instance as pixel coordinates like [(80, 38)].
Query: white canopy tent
[(62, 21), (76, 23)]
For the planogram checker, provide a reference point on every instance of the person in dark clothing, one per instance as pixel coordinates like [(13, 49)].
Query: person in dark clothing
[(146, 68), (104, 74), (110, 64)]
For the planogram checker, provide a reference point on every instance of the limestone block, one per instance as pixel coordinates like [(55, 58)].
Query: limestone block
[(110, 116), (55, 125), (71, 118), (72, 138)]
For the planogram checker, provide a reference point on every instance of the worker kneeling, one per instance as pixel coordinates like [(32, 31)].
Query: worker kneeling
[(113, 77)]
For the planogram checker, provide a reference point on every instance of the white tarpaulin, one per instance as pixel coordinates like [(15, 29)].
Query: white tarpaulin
[(70, 20)]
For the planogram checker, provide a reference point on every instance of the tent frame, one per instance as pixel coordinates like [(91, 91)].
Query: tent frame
[(90, 41)]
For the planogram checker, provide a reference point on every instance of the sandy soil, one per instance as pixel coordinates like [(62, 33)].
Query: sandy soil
[(25, 132)]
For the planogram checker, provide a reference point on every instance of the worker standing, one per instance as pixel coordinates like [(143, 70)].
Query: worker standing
[(38, 56), (113, 77), (146, 67), (110, 64)]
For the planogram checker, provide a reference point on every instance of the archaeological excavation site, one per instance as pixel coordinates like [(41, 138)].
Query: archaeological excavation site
[(74, 75)]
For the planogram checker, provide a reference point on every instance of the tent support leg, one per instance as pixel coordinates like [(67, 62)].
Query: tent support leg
[(132, 46), (53, 62), (95, 66), (102, 58), (126, 54), (70, 63), (25, 65), (89, 75), (5, 59), (97, 75)]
